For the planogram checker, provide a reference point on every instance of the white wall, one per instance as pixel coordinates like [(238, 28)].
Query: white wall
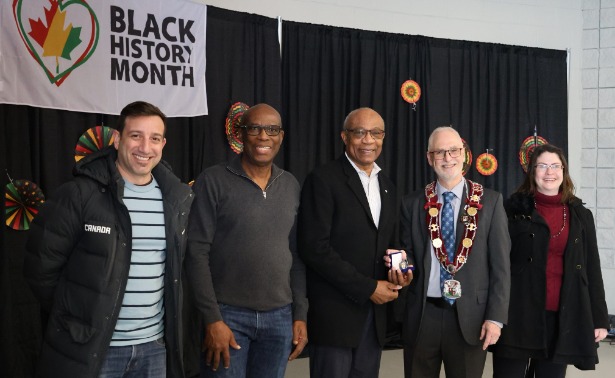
[(597, 183), (552, 24)]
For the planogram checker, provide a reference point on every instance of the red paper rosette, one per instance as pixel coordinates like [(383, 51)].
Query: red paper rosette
[(528, 145), (21, 201), (467, 157), (486, 164), (94, 139), (232, 120), (410, 91)]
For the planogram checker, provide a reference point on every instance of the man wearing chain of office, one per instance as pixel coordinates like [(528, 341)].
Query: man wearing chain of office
[(455, 233)]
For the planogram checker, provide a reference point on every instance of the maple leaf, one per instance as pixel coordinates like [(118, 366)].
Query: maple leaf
[(55, 39), (73, 40), (57, 35), (39, 30)]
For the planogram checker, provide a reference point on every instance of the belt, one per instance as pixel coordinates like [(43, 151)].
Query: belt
[(440, 302)]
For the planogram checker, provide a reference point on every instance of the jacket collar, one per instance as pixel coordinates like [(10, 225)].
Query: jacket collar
[(523, 204), (234, 165), (100, 167)]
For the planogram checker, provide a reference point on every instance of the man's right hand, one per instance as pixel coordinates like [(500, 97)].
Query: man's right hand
[(218, 338), (385, 292)]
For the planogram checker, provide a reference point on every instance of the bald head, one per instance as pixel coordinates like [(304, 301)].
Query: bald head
[(259, 110), (363, 115)]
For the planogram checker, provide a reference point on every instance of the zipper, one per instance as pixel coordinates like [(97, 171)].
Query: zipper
[(271, 180)]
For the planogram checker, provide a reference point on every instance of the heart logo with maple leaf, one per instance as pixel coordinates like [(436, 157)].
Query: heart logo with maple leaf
[(51, 39)]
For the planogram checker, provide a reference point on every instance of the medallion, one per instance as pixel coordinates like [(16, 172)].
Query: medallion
[(403, 265), (452, 289), (472, 211), (433, 212), (437, 243), (467, 242)]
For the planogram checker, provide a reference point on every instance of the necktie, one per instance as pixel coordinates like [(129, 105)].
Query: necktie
[(448, 235)]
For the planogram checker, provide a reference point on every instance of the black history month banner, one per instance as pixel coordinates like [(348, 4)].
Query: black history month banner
[(99, 55)]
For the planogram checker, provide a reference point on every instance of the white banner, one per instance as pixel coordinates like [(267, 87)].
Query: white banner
[(99, 55)]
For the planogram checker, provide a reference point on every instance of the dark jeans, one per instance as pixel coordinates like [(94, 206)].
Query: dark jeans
[(147, 360), (265, 338)]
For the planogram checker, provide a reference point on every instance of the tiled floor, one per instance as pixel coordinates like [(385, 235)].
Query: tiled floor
[(392, 365)]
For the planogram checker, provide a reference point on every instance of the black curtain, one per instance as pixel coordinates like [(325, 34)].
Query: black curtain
[(243, 64), (492, 94)]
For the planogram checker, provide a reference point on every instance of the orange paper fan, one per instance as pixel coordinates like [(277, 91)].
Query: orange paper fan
[(410, 91), (527, 147), (486, 164)]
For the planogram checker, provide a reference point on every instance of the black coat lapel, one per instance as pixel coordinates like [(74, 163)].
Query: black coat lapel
[(386, 202), (354, 182)]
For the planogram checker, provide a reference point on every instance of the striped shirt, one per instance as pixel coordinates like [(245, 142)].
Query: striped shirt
[(142, 313)]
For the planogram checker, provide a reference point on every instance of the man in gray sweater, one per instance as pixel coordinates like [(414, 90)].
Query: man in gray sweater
[(242, 263)]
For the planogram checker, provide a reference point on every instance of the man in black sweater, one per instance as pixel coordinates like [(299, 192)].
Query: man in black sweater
[(249, 283)]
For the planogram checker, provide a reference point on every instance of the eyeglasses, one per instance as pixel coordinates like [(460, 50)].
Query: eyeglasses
[(361, 133), (544, 167), (452, 152), (271, 130)]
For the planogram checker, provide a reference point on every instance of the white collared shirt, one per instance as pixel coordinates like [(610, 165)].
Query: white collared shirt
[(371, 186)]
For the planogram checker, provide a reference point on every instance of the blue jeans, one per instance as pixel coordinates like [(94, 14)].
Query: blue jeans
[(147, 360), (265, 339)]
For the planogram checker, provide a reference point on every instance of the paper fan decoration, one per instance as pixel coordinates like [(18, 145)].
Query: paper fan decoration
[(94, 139), (486, 164), (528, 145), (467, 157), (232, 120), (411, 92), (21, 201)]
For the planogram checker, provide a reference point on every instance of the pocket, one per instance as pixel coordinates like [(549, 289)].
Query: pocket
[(80, 332), (94, 258), (286, 310), (481, 296), (583, 274), (517, 268)]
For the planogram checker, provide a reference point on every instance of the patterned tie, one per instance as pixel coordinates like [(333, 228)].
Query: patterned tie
[(448, 235)]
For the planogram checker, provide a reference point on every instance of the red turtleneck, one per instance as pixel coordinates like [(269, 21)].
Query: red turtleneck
[(552, 210)]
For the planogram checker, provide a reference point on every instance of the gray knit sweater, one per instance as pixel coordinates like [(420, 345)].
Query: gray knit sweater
[(242, 242)]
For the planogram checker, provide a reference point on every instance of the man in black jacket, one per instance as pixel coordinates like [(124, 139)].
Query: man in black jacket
[(104, 259), (347, 220)]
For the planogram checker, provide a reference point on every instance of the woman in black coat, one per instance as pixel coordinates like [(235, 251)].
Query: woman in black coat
[(557, 311)]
